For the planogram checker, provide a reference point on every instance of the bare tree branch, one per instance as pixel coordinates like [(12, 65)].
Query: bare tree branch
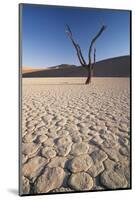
[(77, 47), (80, 52), (79, 58), (94, 61), (93, 41)]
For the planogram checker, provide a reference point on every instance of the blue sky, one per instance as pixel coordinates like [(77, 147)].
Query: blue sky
[(45, 43)]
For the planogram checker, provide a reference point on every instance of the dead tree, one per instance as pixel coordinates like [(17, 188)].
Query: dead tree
[(90, 66)]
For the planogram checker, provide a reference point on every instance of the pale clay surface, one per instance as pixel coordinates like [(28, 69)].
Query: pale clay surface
[(75, 136)]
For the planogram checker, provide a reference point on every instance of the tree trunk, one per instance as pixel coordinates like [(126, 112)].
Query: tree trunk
[(88, 81)]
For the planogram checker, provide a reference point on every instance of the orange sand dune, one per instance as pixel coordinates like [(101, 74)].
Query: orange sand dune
[(31, 69)]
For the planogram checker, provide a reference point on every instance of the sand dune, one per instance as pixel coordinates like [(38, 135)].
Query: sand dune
[(26, 70), (114, 67)]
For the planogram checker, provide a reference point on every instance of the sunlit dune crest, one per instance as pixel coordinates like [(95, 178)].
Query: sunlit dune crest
[(31, 69)]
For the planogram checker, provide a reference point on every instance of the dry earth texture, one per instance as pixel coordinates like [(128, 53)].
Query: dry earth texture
[(75, 137)]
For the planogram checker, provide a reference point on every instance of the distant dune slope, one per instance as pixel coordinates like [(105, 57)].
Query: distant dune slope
[(114, 67)]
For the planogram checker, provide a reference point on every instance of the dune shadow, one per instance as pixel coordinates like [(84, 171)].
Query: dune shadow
[(111, 67)]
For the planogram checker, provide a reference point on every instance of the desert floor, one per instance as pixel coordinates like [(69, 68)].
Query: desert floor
[(75, 136)]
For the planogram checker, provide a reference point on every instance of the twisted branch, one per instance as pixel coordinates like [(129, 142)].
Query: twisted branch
[(93, 41), (94, 61), (77, 47)]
